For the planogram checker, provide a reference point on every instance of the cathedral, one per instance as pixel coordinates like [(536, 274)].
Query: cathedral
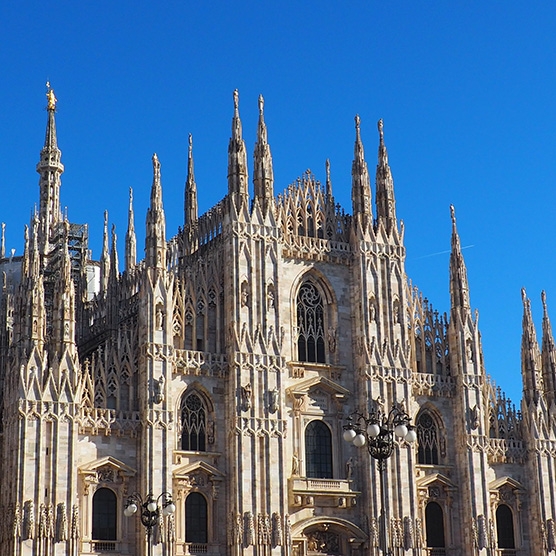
[(219, 377)]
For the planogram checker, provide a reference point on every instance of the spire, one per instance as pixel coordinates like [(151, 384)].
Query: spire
[(155, 240), (64, 299), (191, 208), (360, 183), (263, 175), (328, 180), (105, 257), (548, 356), (237, 159), (114, 270), (385, 200), (50, 170), (530, 354), (130, 239), (459, 288)]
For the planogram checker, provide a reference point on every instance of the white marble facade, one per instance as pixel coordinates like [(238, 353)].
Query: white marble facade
[(222, 368)]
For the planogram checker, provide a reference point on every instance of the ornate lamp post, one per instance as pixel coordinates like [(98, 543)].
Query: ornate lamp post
[(150, 511), (377, 430)]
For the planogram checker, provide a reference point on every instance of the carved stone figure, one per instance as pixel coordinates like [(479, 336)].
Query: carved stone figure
[(246, 397)]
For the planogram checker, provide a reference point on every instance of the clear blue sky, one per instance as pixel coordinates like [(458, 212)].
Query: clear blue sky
[(466, 90)]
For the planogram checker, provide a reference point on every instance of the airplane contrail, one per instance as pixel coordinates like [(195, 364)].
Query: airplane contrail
[(440, 253)]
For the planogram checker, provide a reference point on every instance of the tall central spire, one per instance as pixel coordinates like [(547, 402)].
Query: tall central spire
[(530, 355), (237, 159), (459, 287), (548, 355), (191, 208), (50, 170), (155, 241), (263, 174)]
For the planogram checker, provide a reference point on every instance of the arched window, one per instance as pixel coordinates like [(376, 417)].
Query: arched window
[(434, 525), (193, 423), (427, 438), (505, 527), (104, 515), (196, 518), (310, 324), (318, 450)]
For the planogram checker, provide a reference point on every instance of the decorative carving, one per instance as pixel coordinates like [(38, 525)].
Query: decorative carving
[(331, 336), (249, 529), (106, 474), (295, 465), (325, 542), (28, 520), (246, 397), (244, 294), (75, 531), (349, 469), (419, 538), (61, 523), (16, 528), (482, 534), (474, 417), (270, 297), (236, 529), (263, 530), (287, 531), (407, 533), (273, 396), (159, 390), (277, 534)]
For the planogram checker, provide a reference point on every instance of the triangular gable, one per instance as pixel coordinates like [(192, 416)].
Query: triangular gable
[(436, 478), (326, 384), (198, 467), (506, 481), (107, 463)]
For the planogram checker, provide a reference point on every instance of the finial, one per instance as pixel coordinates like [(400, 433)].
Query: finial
[(357, 122), (543, 299), (52, 100), (261, 105), (327, 169), (236, 99), (130, 196), (453, 214), (190, 145), (523, 295), (106, 219), (381, 130)]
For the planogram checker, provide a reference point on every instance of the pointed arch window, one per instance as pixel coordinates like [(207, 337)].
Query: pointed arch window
[(310, 324), (196, 524), (505, 527), (318, 450), (104, 515), (193, 423), (434, 521), (427, 438)]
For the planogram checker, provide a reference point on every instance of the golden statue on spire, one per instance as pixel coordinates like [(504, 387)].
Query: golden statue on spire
[(52, 100)]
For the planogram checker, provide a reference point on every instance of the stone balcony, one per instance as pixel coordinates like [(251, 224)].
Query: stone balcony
[(325, 493)]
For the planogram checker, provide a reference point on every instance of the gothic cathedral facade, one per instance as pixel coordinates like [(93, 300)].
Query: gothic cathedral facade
[(222, 369)]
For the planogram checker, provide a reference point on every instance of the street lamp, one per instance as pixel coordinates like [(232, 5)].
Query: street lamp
[(377, 430), (150, 511)]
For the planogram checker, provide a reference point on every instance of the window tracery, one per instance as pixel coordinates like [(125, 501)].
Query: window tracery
[(193, 423), (310, 324), (428, 439)]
